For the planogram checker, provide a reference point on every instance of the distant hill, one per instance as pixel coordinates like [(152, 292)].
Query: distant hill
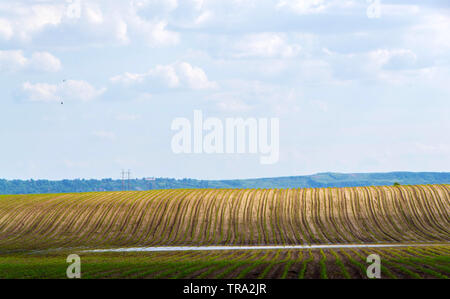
[(309, 181)]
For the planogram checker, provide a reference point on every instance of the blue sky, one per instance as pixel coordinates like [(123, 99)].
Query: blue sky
[(354, 92)]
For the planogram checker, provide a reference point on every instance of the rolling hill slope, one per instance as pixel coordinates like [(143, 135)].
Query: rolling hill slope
[(226, 216)]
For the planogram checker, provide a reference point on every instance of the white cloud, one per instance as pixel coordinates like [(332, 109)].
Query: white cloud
[(308, 7), (431, 33), (393, 59), (387, 66), (122, 32), (243, 95), (25, 20), (431, 77), (45, 61), (233, 106), (158, 5), (128, 78), (127, 117), (82, 90), (399, 10), (321, 105), (15, 60), (78, 90), (303, 6), (204, 17), (12, 60), (166, 73), (144, 97), (266, 45), (93, 13), (154, 33), (6, 30), (41, 92), (99, 21), (176, 75), (107, 135), (195, 77)]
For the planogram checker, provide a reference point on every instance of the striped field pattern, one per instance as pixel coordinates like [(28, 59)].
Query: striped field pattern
[(400, 214), (428, 262)]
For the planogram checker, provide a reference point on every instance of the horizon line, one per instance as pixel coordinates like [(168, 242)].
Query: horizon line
[(235, 179)]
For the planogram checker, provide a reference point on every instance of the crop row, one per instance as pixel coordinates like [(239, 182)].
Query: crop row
[(226, 217), (407, 262)]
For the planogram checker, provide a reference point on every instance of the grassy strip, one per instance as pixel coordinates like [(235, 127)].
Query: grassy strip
[(340, 264), (254, 265), (393, 264), (409, 261), (361, 267), (305, 263), (173, 267), (275, 262), (323, 266), (155, 262), (289, 265), (237, 265), (221, 264)]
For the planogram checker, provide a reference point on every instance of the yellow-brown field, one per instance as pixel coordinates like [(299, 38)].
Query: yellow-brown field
[(401, 214), (60, 224)]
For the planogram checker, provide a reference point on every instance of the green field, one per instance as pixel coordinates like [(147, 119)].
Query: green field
[(38, 232), (425, 262)]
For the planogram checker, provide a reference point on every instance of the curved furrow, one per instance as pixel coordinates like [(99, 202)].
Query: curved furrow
[(148, 237), (306, 216), (362, 217), (333, 217), (176, 225), (425, 214), (342, 217), (414, 219), (30, 236), (114, 224), (156, 217), (216, 221), (442, 203), (205, 227), (278, 230), (288, 205), (168, 218), (373, 199), (433, 216), (250, 218), (401, 216), (393, 227), (237, 218), (64, 212), (260, 230), (297, 217)]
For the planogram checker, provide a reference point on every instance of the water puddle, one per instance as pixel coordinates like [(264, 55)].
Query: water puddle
[(206, 248)]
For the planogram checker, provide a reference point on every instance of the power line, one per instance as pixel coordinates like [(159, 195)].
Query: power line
[(125, 175), (123, 179), (128, 182)]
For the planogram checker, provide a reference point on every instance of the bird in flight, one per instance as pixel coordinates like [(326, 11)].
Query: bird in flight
[(62, 103)]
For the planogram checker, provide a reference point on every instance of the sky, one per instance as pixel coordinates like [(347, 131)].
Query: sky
[(357, 86)]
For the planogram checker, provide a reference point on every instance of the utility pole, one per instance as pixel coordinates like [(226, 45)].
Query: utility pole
[(123, 178), (128, 182)]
